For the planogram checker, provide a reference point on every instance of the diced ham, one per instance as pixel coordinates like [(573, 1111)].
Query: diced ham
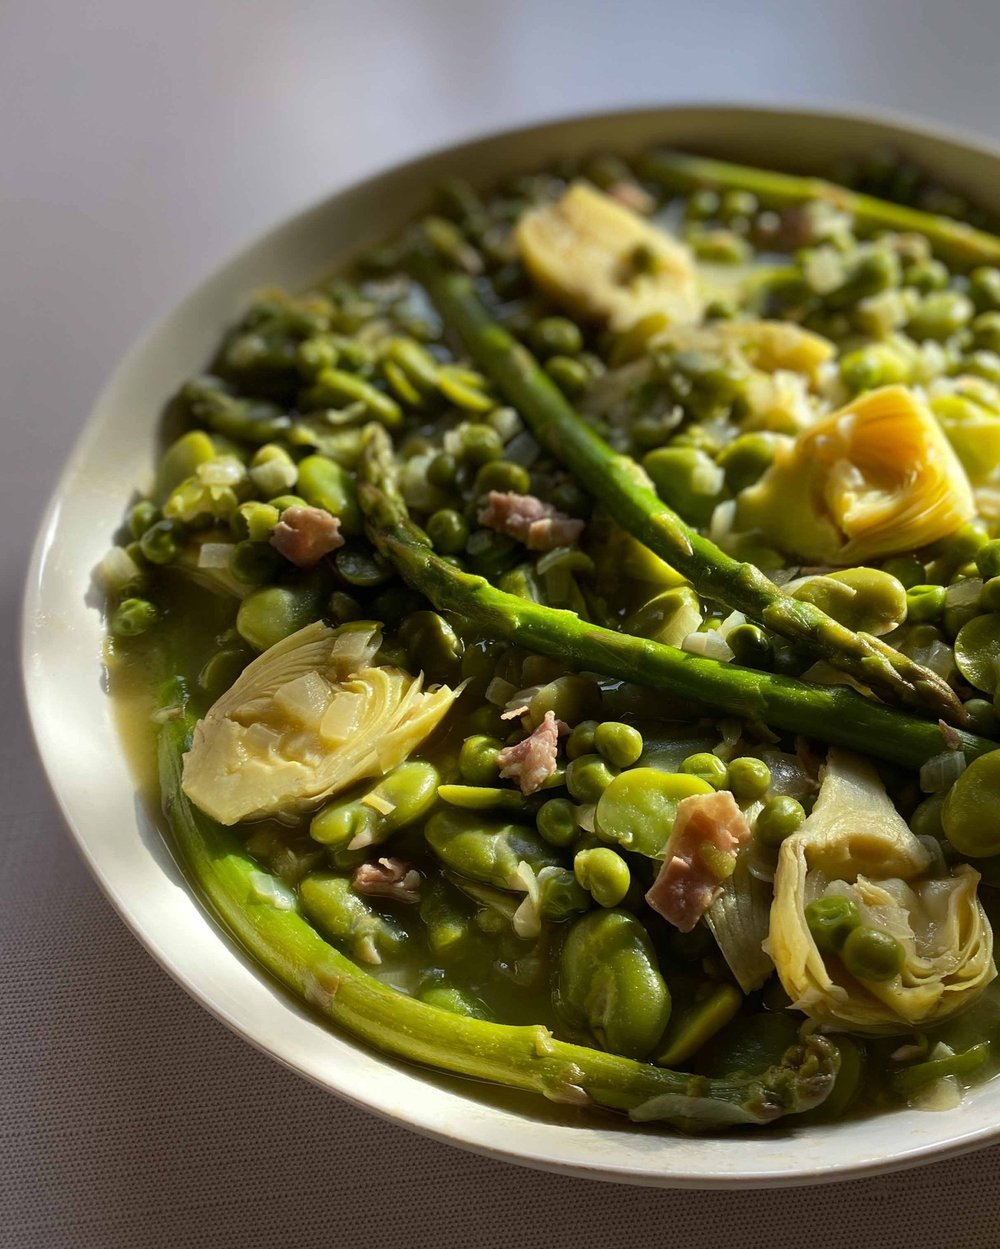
[(632, 195), (305, 534), (706, 828), (388, 878), (540, 526), (532, 761)]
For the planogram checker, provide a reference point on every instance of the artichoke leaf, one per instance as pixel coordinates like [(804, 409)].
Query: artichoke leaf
[(604, 262), (310, 716), (855, 844), (876, 478)]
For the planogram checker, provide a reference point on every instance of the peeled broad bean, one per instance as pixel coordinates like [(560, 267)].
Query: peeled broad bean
[(344, 917), (488, 850), (610, 984), (637, 808)]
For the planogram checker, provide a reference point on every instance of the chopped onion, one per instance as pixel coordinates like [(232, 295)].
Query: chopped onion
[(225, 471), (523, 449), (499, 692), (731, 622), (215, 554), (964, 593), (527, 919), (377, 803), (943, 1094), (937, 656), (585, 817), (116, 571), (738, 920), (711, 645), (723, 519), (941, 771)]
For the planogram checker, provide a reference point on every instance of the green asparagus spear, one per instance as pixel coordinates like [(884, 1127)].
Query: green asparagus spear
[(284, 943), (953, 241), (618, 482), (830, 713)]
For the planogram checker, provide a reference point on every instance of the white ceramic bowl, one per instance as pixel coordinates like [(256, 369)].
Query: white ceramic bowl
[(121, 840)]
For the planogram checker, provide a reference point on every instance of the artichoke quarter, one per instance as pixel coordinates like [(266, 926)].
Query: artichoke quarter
[(310, 716), (603, 261), (855, 845), (876, 478)]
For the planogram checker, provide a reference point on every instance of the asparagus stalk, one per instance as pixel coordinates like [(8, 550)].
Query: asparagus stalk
[(284, 943), (953, 241), (618, 482), (834, 714)]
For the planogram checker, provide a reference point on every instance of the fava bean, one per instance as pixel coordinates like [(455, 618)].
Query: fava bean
[(637, 809)]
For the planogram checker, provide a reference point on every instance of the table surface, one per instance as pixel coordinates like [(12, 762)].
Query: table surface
[(140, 144)]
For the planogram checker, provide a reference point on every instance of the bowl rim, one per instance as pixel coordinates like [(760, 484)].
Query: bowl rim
[(185, 971)]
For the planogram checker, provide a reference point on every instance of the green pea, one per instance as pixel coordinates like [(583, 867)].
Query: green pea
[(831, 920), (581, 739), (638, 807), (620, 744), (272, 613), (707, 767), (746, 459), (610, 985), (925, 603), (926, 276), (570, 698), (780, 817), (587, 777), (161, 543), (749, 778), (986, 331), (133, 616), (442, 469), (983, 717), (977, 651), (969, 814), (556, 336), (603, 873), (504, 476), (448, 531), (481, 444), (989, 599), (477, 760), (141, 517), (556, 822), (940, 315), (486, 849), (872, 955), (432, 645), (906, 569), (571, 376), (491, 554), (868, 274), (702, 205), (751, 646), (738, 204), (346, 919), (560, 895), (255, 563), (988, 559), (324, 483), (926, 818), (984, 287), (688, 479)]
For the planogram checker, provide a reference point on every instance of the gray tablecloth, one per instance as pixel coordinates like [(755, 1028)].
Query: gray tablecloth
[(139, 144)]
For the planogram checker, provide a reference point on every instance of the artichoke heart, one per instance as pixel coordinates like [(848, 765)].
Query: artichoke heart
[(856, 845), (601, 260), (876, 478), (307, 718), (767, 346)]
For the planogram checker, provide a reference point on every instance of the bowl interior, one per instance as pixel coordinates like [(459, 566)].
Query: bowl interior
[(121, 839)]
